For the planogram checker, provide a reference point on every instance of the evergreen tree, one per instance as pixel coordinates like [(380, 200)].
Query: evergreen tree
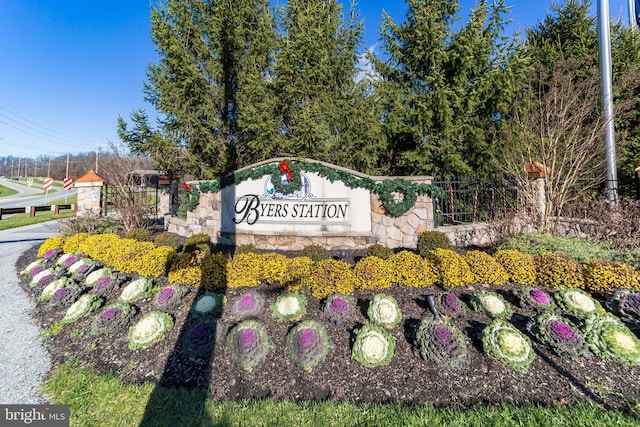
[(214, 56), (323, 112), (444, 85)]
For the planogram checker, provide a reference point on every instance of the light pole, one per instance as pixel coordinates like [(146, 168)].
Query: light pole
[(604, 42)]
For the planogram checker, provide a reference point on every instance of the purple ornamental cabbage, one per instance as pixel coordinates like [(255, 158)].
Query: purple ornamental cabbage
[(450, 305), (535, 298), (200, 339), (37, 269), (442, 343), (308, 344), (64, 296), (559, 334), (339, 308), (112, 318), (169, 297), (248, 344), (105, 285), (249, 304), (626, 303)]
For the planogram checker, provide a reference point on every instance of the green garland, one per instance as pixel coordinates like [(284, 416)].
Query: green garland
[(384, 189)]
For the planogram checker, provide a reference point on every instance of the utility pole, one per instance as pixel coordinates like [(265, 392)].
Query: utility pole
[(19, 159), (12, 160), (97, 151), (67, 172), (49, 168), (634, 14), (604, 42)]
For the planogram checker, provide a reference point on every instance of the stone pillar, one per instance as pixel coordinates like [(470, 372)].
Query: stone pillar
[(89, 194), (537, 173)]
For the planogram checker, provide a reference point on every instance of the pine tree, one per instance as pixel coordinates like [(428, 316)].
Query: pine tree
[(444, 85)]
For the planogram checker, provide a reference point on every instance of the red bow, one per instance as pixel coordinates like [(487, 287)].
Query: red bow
[(186, 187), (284, 168)]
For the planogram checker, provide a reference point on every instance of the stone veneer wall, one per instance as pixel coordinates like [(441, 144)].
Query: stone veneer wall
[(393, 232)]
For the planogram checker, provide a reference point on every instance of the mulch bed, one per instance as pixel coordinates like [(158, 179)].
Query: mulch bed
[(408, 379)]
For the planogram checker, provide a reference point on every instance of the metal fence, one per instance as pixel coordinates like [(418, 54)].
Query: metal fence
[(469, 200)]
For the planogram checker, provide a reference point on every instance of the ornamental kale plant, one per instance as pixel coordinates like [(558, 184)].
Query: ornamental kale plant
[(67, 260), (373, 346), (578, 302), (508, 345), (105, 284), (442, 343), (559, 334), (93, 277), (208, 304), (149, 330), (290, 306), (249, 304), (64, 296), (112, 318), (384, 310), (136, 290), (81, 267), (51, 254), (52, 287), (535, 298), (86, 304), (29, 269), (43, 279), (308, 344), (625, 303), (339, 308), (248, 344), (201, 337), (449, 305), (169, 297), (609, 338), (492, 304)]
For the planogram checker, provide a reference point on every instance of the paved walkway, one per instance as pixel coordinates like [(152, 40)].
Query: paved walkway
[(24, 360)]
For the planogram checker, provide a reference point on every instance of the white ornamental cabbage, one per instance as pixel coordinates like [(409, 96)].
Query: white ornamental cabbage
[(577, 301), (289, 306), (373, 346), (209, 303), (384, 310), (52, 287), (137, 289), (96, 275), (491, 304), (41, 275), (149, 330), (31, 266), (86, 304)]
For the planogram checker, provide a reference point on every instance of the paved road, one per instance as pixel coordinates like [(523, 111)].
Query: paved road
[(31, 196), (24, 361)]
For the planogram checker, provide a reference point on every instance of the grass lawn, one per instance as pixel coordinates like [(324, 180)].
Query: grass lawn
[(20, 220), (6, 191), (105, 400)]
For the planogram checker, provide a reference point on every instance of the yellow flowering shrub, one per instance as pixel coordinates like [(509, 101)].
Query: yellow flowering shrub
[(125, 252), (412, 270), (187, 269), (154, 263), (451, 267), (555, 270), (520, 267), (374, 273), (330, 276), (274, 268), (602, 276), (55, 242), (299, 270), (72, 243), (244, 270), (100, 247), (485, 268), (214, 271)]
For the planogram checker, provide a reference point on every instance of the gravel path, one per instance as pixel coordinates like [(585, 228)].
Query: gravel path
[(24, 359)]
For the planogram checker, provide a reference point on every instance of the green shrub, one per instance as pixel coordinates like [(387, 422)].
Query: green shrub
[(315, 252), (246, 248), (520, 267), (602, 277), (452, 269), (380, 251), (91, 224), (430, 240), (169, 239), (485, 268), (555, 270), (535, 243), (139, 234), (198, 242)]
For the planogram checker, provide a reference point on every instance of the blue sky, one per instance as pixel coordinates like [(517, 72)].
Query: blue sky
[(69, 68)]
